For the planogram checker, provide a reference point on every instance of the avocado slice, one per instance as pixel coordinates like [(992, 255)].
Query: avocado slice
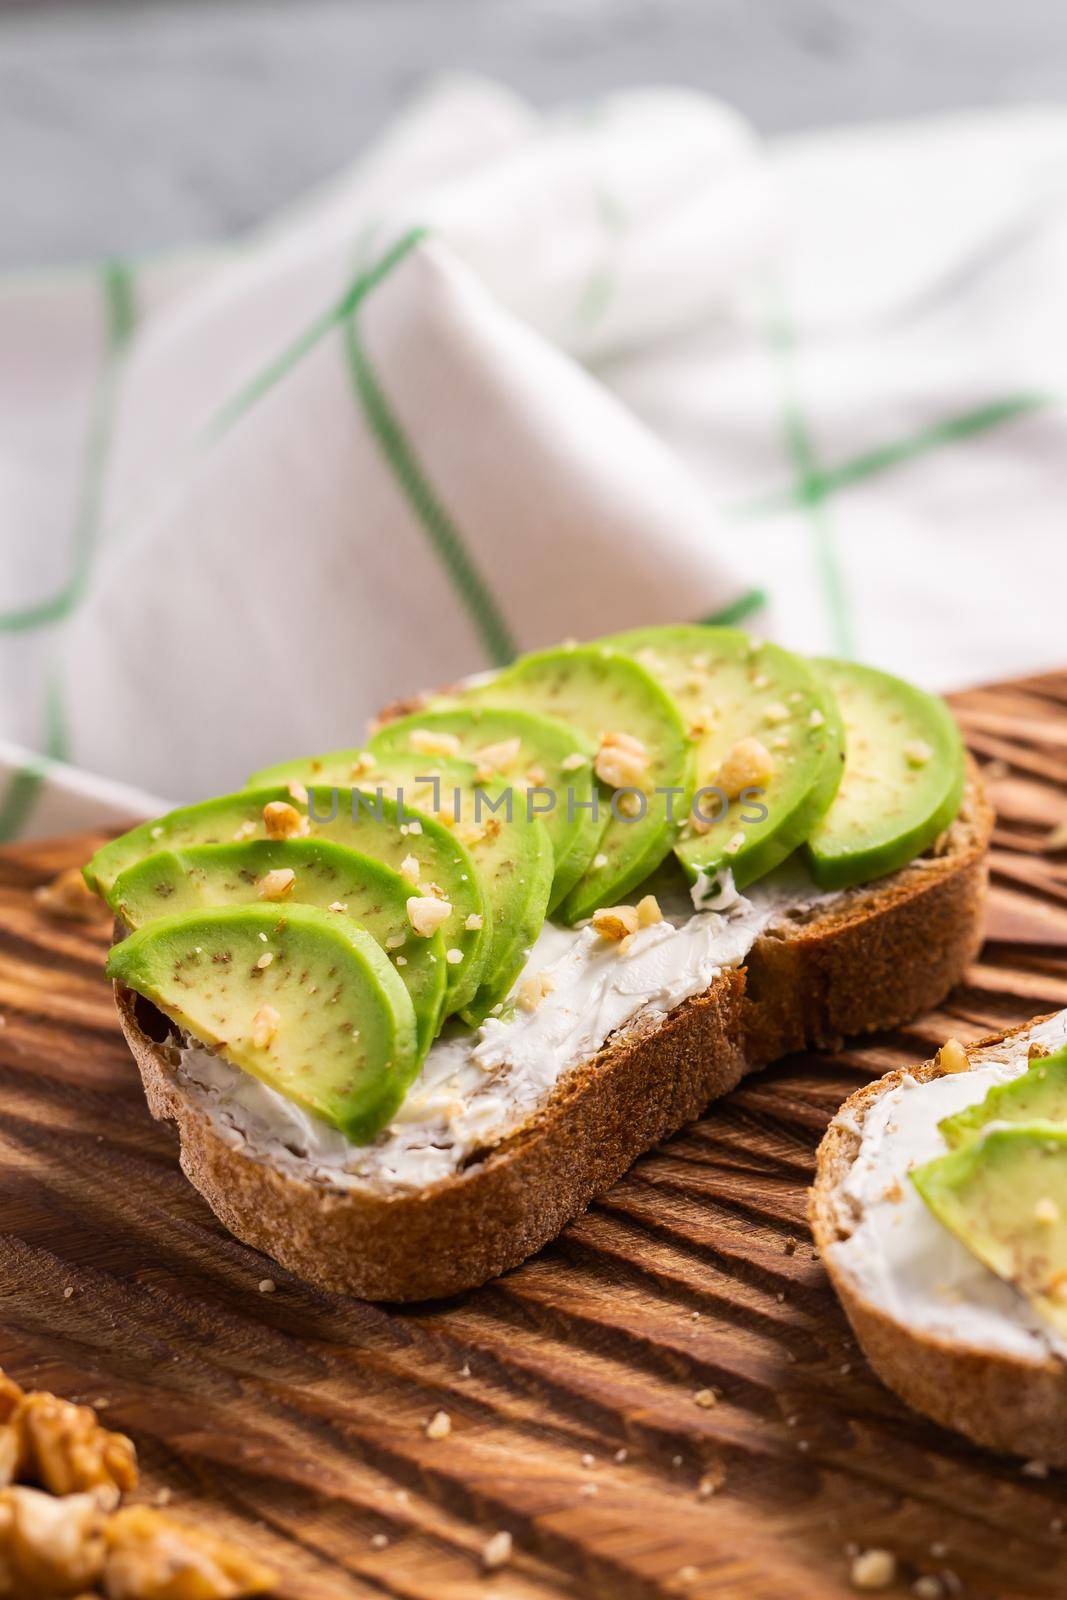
[(373, 824), (325, 1021), (903, 782), (175, 882), (1037, 1095), (606, 697), (519, 748), (1004, 1196), (512, 853), (747, 703)]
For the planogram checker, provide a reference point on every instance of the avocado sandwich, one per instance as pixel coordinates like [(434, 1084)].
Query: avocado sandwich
[(940, 1208), (412, 1004)]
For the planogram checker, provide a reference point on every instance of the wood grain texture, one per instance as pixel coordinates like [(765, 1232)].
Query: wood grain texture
[(296, 1420)]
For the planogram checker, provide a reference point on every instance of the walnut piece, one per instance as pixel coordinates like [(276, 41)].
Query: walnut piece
[(283, 821), (63, 1448), (48, 1545), (426, 914), (622, 761), (615, 923), (150, 1556)]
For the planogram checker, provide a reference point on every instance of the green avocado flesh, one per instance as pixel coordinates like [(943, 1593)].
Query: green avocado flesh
[(730, 687), (903, 781), (326, 1022), (372, 824), (1004, 1196), (603, 692), (1038, 1095), (512, 854), (175, 882), (519, 748)]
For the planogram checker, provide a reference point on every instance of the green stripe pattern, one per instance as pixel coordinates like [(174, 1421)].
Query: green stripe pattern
[(441, 532)]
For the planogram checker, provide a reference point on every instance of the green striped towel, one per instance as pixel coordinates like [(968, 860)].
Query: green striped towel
[(516, 378)]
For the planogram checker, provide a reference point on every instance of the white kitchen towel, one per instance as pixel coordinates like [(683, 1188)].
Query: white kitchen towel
[(520, 377)]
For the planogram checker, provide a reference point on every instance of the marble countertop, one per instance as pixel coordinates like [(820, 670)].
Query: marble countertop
[(142, 126)]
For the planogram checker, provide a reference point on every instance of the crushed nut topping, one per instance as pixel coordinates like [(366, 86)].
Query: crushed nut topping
[(434, 742), (498, 757), (572, 762), (815, 718), (363, 764), (600, 860), (1046, 1210), (298, 791), (952, 1057), (411, 868), (283, 821), (337, 905), (706, 1398), (532, 990), (622, 761), (747, 765), (265, 960), (264, 1026), (615, 923), (474, 922), (775, 713), (69, 896), (427, 913), (733, 844), (918, 753), (453, 957), (648, 911), (276, 884), (245, 831)]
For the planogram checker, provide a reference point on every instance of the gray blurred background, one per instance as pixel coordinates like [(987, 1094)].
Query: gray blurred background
[(138, 126)]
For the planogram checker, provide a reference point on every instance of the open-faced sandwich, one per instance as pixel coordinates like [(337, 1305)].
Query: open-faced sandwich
[(413, 1005), (940, 1207)]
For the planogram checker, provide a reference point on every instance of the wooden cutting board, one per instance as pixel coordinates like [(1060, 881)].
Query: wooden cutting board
[(297, 1421)]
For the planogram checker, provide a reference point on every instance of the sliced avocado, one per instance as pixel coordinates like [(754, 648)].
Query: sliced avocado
[(175, 882), (524, 750), (605, 695), (371, 823), (1004, 1196), (748, 705), (325, 1021), (905, 770), (512, 853), (1038, 1095)]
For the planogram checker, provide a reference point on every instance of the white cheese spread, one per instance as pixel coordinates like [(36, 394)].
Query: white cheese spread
[(897, 1254), (475, 1087)]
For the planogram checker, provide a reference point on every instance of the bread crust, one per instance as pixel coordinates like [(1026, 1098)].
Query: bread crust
[(1001, 1401), (869, 961)]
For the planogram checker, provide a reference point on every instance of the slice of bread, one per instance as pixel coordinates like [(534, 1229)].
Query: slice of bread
[(848, 963), (1009, 1400)]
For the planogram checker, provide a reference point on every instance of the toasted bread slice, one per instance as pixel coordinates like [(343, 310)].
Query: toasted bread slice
[(1009, 1399), (848, 963)]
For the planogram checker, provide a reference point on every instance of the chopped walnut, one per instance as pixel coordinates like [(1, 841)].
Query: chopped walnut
[(532, 990), (434, 742), (917, 753), (10, 1395), (498, 757), (276, 884), (615, 923), (150, 1556), (298, 791), (622, 761), (648, 911), (747, 765), (427, 913), (283, 821), (70, 896), (439, 1425), (265, 1025), (49, 1545), (572, 762), (474, 922), (363, 764), (496, 1551), (411, 869), (952, 1057), (63, 1447)]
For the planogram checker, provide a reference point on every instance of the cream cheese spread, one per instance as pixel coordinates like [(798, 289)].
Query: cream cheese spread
[(475, 1087), (897, 1254)]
